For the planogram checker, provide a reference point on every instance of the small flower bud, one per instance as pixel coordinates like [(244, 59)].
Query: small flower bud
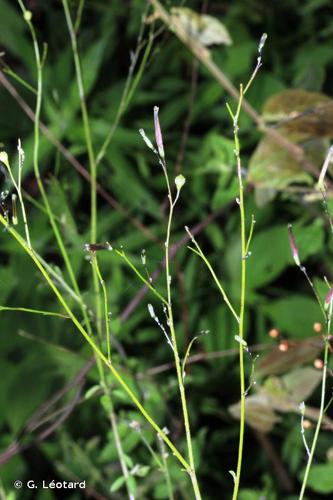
[(180, 181), (301, 406), (147, 140), (293, 246), (4, 158), (329, 298), (158, 133), (262, 42), (27, 16)]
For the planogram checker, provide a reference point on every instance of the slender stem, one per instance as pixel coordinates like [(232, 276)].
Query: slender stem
[(199, 252), (18, 189), (122, 254), (114, 426), (166, 471), (91, 154), (174, 339), (204, 56), (79, 15), (105, 295), (73, 161), (241, 332), (106, 390), (92, 343), (321, 409), (244, 250), (245, 243), (120, 451), (34, 311), (129, 88), (46, 202), (85, 118)]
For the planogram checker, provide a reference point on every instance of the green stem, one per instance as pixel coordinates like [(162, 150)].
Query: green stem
[(199, 252), (105, 295), (85, 118), (46, 202), (321, 409), (180, 379), (91, 155), (122, 254), (244, 250), (34, 311), (241, 335), (128, 91), (92, 344), (166, 472)]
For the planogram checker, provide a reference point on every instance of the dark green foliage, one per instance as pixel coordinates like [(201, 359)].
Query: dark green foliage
[(40, 354)]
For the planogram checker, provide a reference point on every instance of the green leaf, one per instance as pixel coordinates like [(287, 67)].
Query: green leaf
[(142, 470), (92, 391), (117, 484), (320, 478), (294, 314)]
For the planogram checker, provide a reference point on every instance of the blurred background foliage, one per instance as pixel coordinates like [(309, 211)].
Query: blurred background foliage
[(41, 355)]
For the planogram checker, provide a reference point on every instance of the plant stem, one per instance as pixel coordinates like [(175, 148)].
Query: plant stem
[(199, 252), (321, 409), (92, 343), (46, 202), (240, 202), (90, 150), (166, 472), (85, 118), (245, 243), (180, 379), (105, 294), (129, 88), (34, 311)]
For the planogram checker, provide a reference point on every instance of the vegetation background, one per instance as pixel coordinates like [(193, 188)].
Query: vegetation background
[(42, 355)]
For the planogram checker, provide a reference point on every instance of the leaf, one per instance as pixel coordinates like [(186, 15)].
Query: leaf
[(301, 382), (273, 166), (92, 391), (117, 484), (294, 315), (8, 281), (60, 207), (320, 478), (13, 34), (259, 414), (141, 470), (207, 30), (285, 393), (30, 391), (301, 113), (246, 494), (299, 352), (264, 265)]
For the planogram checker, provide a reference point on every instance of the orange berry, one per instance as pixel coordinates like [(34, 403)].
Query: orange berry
[(317, 327), (274, 333), (284, 345), (318, 363), (307, 424)]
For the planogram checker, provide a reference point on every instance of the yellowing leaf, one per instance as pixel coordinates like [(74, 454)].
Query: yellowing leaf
[(299, 352), (207, 30), (259, 414)]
